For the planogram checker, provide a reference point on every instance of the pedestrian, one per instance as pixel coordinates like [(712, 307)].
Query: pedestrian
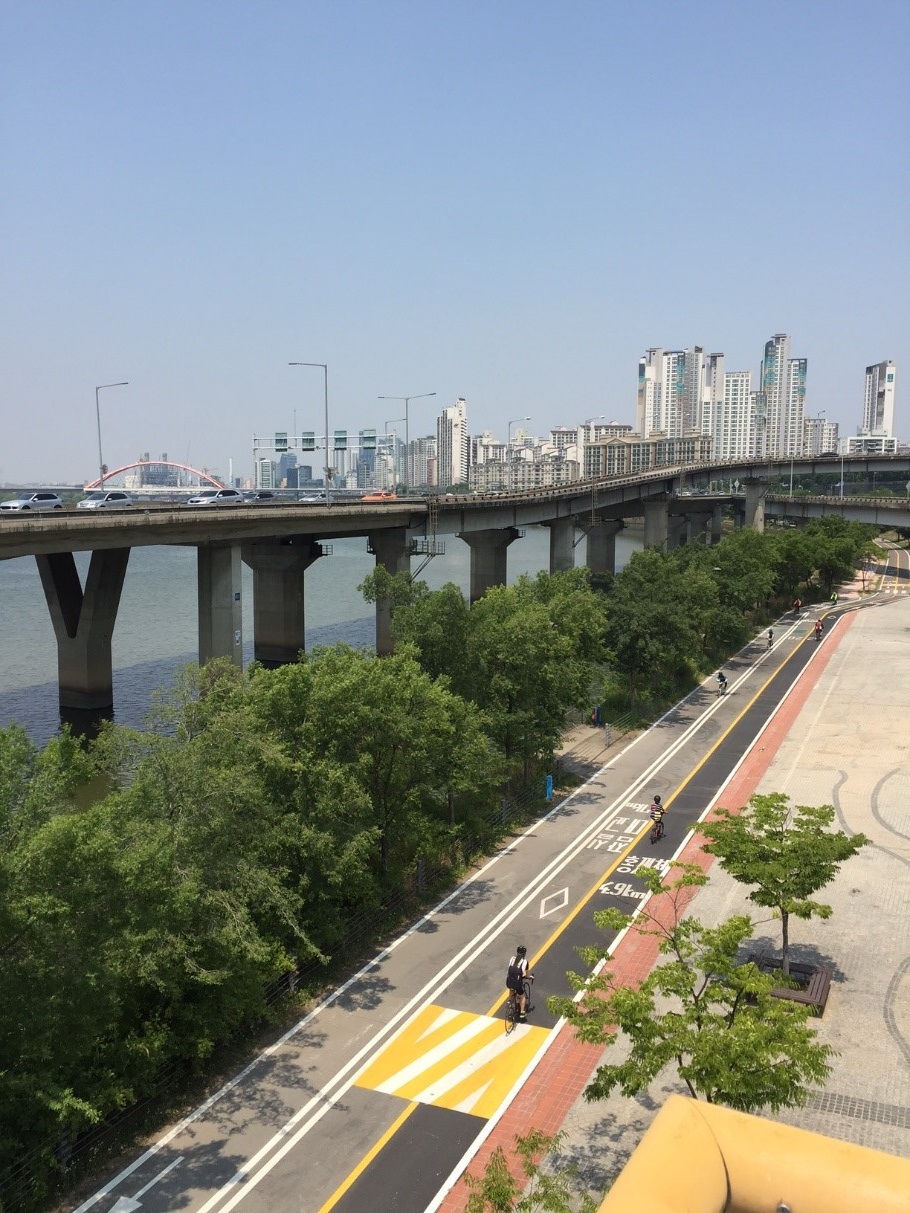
[(770, 637)]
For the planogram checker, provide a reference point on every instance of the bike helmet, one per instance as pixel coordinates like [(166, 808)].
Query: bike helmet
[(521, 950)]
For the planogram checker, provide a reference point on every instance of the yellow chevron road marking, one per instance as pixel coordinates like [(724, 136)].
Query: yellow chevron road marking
[(454, 1060)]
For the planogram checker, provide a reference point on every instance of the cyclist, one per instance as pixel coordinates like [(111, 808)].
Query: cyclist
[(819, 628), (516, 976), (797, 603), (656, 813), (770, 637), (721, 682)]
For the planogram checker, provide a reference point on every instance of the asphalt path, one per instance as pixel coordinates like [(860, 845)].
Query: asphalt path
[(378, 1095)]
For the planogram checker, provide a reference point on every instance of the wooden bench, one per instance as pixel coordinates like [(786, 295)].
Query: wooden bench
[(818, 982)]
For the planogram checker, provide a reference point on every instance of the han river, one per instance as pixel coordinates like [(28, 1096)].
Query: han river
[(156, 630)]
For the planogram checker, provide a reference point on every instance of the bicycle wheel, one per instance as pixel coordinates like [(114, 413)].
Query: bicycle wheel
[(511, 1013), (527, 990)]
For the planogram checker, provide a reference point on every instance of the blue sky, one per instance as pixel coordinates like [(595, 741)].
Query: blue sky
[(503, 201)]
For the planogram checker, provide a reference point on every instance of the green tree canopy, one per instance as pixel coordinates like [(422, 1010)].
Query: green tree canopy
[(786, 853), (701, 1010)]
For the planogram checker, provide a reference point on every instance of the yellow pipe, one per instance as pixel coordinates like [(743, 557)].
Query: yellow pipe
[(701, 1158)]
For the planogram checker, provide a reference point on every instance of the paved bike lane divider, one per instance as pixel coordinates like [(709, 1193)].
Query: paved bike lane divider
[(552, 1089), (459, 1070)]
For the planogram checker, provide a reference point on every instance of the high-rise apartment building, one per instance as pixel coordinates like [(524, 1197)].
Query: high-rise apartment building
[(452, 445), (820, 436), (878, 403), (670, 392), (783, 384)]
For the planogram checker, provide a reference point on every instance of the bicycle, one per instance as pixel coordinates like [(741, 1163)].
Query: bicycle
[(513, 1016), (657, 830), (721, 686)]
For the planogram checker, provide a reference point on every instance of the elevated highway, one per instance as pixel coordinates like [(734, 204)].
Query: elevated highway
[(279, 540)]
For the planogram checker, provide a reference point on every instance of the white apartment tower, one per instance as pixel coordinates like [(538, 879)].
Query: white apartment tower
[(670, 392), (878, 404), (452, 445), (783, 384)]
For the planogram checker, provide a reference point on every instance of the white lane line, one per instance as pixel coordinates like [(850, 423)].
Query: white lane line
[(492, 931)]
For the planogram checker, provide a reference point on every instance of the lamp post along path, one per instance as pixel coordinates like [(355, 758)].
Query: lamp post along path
[(407, 400), (100, 388)]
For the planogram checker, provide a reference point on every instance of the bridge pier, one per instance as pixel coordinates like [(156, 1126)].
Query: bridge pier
[(489, 564), (717, 524), (662, 529), (562, 544), (755, 503), (601, 557), (278, 567), (393, 551), (84, 623), (218, 573)]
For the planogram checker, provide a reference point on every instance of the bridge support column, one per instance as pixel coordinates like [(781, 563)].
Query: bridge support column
[(697, 528), (489, 565), (717, 524), (601, 558), (755, 504), (218, 571), (278, 597), (393, 552), (657, 524), (84, 623), (562, 544)]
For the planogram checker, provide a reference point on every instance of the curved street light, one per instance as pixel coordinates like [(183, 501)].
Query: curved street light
[(407, 400), (100, 388)]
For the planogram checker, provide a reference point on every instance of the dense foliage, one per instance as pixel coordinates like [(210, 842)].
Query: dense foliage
[(154, 888)]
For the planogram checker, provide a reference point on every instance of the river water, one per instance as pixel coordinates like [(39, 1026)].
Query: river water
[(156, 630)]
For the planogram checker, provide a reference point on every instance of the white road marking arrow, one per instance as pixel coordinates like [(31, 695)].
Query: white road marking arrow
[(129, 1204)]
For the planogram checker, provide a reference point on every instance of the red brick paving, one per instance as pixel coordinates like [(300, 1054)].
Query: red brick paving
[(566, 1069)]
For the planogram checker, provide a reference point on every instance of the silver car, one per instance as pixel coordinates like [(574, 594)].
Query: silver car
[(107, 499), (32, 501), (216, 497)]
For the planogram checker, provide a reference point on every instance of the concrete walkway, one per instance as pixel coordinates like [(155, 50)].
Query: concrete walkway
[(842, 737)]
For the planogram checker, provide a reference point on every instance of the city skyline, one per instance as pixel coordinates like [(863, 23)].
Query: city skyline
[(433, 199)]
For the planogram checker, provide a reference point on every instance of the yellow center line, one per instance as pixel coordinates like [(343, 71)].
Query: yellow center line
[(368, 1158), (580, 905)]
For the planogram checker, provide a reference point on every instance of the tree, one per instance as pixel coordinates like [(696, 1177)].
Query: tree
[(787, 853), (650, 634), (498, 1191), (732, 1042)]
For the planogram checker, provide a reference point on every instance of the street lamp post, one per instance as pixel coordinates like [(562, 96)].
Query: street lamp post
[(327, 469), (393, 421), (407, 400), (99, 388), (509, 445)]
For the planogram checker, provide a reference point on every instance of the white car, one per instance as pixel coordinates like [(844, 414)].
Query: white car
[(32, 501), (216, 497), (108, 499)]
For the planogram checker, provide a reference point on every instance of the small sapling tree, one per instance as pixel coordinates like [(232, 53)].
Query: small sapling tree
[(787, 853), (714, 1018)]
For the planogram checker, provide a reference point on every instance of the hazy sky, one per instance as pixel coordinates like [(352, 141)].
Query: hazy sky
[(503, 201)]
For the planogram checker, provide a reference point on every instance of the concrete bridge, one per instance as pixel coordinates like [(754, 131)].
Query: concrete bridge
[(279, 541)]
